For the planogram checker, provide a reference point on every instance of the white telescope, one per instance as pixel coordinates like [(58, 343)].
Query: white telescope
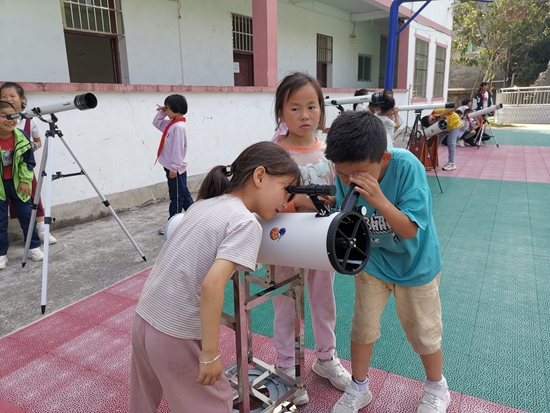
[(485, 111), (374, 98), (80, 102), (436, 128), (321, 241), (448, 105), (338, 242)]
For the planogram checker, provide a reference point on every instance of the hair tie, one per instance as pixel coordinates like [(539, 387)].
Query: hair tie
[(228, 171)]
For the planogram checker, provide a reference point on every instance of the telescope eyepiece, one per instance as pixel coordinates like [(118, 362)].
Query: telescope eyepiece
[(312, 190)]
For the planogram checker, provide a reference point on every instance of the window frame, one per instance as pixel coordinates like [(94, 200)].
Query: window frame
[(359, 58), (420, 88), (439, 71)]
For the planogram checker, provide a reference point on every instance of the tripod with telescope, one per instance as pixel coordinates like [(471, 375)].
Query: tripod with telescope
[(81, 102), (423, 143)]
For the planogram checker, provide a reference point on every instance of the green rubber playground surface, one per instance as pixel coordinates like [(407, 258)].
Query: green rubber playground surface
[(519, 137), (495, 291)]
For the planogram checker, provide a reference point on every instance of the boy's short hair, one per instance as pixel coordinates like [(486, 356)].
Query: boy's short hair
[(465, 102), (425, 121), (356, 137)]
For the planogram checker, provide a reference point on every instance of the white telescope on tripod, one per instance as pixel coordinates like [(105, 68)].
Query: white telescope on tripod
[(374, 98), (448, 105), (485, 111), (333, 242), (80, 102)]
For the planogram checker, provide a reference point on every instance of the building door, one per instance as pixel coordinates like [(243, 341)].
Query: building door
[(324, 59), (243, 69)]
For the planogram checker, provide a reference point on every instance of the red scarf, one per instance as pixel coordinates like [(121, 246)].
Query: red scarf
[(162, 139)]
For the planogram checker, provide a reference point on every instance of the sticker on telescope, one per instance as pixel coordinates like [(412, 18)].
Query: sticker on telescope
[(276, 234)]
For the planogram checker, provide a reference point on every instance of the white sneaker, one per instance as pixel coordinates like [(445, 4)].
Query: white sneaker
[(35, 254), (352, 400), (436, 399), (3, 261), (460, 143), (51, 238), (449, 167), (334, 371), (300, 397)]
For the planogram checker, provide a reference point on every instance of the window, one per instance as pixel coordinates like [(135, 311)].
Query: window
[(324, 58), (93, 30), (439, 76), (420, 69), (364, 69), (242, 33), (243, 56)]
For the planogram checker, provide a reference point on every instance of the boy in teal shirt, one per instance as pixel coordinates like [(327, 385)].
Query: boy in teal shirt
[(405, 257)]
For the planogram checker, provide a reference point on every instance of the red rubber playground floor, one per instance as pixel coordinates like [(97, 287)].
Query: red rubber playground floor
[(494, 231)]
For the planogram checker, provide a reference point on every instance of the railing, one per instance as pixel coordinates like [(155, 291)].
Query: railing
[(524, 105), (539, 95)]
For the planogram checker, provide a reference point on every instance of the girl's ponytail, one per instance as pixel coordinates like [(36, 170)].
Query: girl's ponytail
[(215, 183)]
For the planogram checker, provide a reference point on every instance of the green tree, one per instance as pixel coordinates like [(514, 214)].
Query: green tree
[(511, 35)]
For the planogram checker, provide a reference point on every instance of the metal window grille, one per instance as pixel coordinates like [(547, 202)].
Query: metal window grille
[(364, 69), (93, 16), (439, 76), (324, 48), (420, 69), (242, 33)]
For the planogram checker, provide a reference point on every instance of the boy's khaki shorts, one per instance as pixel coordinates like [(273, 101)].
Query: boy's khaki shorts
[(418, 309)]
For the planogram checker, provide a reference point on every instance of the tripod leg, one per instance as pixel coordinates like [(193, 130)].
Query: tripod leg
[(47, 221), (104, 200), (493, 133), (432, 156), (36, 200)]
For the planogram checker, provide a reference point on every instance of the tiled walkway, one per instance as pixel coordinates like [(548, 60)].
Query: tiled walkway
[(493, 226)]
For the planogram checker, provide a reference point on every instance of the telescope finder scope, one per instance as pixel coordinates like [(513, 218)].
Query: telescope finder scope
[(312, 190)]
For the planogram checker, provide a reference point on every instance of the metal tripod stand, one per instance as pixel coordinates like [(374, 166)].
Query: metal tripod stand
[(479, 135), (45, 172), (419, 136)]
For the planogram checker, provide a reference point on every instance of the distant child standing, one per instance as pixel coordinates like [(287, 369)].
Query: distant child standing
[(13, 93), (175, 336), (172, 151), (405, 257), (299, 103), (17, 165)]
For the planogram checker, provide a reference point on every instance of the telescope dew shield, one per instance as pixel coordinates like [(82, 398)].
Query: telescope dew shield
[(339, 242)]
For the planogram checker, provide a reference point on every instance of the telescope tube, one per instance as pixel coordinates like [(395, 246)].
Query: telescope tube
[(448, 105), (374, 98), (81, 102), (485, 111)]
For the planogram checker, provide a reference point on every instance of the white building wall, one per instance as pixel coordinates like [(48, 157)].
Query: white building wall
[(116, 142), (298, 29), (33, 43)]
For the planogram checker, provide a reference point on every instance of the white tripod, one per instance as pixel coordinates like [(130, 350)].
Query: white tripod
[(46, 171)]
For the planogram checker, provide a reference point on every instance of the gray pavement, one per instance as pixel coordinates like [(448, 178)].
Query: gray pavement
[(87, 258)]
